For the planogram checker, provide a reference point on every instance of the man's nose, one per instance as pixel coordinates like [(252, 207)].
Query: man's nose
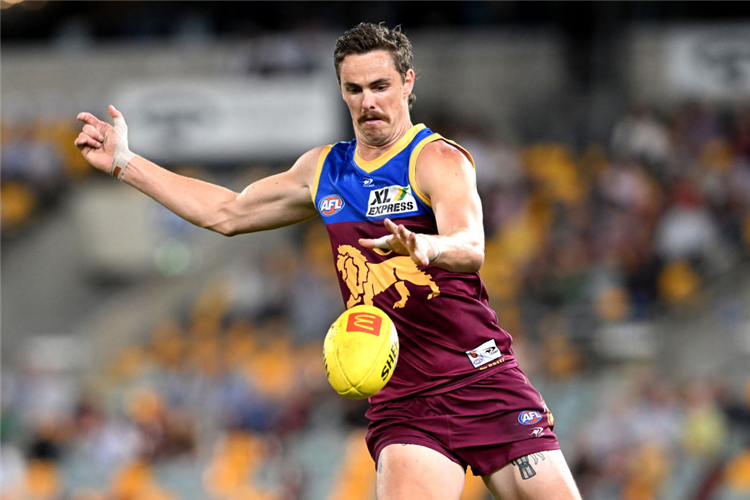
[(368, 100)]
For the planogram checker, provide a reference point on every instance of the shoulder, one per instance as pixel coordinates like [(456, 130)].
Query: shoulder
[(443, 156), (307, 164), (443, 165), (444, 153), (312, 156)]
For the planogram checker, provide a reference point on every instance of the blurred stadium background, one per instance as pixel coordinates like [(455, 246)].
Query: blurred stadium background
[(145, 359)]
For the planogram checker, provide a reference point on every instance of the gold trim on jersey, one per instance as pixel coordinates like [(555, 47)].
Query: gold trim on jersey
[(370, 166), (413, 163), (319, 169)]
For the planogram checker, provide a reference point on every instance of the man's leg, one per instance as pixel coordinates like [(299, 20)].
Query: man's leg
[(410, 471), (537, 476)]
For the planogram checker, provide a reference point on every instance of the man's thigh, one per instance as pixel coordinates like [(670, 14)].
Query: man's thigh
[(410, 471), (535, 476)]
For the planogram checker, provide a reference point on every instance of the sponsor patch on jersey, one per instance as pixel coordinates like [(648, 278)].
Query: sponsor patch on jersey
[(330, 205), (484, 353), (391, 200), (530, 417)]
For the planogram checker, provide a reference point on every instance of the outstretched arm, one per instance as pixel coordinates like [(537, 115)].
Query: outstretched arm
[(447, 177), (272, 202)]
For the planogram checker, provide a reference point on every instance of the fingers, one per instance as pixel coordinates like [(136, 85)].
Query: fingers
[(84, 140), (393, 228), (417, 254), (407, 240), (89, 119), (367, 243), (114, 112), (400, 232), (383, 242), (118, 119), (89, 136), (92, 120), (94, 133)]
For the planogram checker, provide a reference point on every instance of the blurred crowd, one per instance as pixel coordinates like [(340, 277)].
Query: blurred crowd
[(643, 222), (38, 163), (687, 439), (221, 392)]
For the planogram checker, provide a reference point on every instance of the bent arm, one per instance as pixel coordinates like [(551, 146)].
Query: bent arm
[(447, 177), (272, 202)]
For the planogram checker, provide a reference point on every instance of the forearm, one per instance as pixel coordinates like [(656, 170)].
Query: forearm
[(196, 201), (460, 251)]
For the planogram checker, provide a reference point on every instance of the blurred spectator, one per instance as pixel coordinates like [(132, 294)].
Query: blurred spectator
[(705, 429), (640, 136), (687, 231), (32, 160), (13, 465), (36, 161), (103, 439)]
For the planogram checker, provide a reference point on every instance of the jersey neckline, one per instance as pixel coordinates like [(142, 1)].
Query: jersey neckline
[(370, 166)]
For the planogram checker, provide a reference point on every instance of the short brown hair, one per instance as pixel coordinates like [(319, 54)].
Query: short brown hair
[(368, 37)]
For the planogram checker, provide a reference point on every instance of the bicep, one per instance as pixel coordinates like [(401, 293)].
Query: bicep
[(278, 200)]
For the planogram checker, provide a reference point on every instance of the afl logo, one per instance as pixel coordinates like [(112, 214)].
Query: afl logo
[(330, 205), (529, 417)]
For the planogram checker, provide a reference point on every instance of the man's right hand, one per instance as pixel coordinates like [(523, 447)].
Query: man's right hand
[(101, 144)]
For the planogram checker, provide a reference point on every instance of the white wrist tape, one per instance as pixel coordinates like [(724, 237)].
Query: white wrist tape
[(382, 242), (435, 246), (122, 153)]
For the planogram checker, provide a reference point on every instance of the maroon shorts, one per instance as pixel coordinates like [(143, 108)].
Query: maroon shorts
[(485, 424)]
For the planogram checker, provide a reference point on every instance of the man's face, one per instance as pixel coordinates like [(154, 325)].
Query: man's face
[(376, 96)]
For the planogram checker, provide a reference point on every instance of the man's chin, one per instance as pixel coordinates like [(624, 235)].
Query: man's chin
[(373, 135)]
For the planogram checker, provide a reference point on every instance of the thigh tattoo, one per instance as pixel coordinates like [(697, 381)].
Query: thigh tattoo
[(524, 464)]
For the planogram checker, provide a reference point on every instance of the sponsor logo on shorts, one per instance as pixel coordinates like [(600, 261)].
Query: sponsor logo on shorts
[(530, 417), (391, 200), (484, 353), (331, 204), (537, 431)]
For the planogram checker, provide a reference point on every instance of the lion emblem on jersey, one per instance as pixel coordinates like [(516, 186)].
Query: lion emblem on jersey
[(365, 279)]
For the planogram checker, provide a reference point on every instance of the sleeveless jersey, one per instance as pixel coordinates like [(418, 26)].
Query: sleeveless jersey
[(449, 336)]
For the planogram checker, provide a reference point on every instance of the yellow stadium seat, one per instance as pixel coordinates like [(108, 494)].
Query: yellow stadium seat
[(42, 480)]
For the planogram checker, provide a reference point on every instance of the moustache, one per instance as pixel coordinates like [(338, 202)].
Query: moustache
[(371, 116)]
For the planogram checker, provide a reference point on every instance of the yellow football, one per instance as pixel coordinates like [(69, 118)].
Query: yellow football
[(360, 352)]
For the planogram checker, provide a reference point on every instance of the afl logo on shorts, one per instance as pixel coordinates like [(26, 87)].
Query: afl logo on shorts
[(529, 417), (330, 205)]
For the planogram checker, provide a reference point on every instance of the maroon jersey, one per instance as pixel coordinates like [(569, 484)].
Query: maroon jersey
[(449, 336)]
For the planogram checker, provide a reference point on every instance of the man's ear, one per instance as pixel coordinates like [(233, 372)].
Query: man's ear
[(409, 80)]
